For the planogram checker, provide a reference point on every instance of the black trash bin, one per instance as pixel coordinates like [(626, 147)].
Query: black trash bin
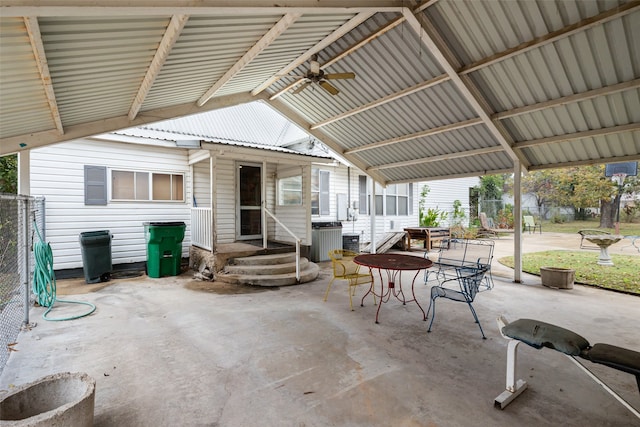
[(96, 255), (351, 242)]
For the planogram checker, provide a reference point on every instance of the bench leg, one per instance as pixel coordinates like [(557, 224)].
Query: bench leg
[(605, 387), (514, 387)]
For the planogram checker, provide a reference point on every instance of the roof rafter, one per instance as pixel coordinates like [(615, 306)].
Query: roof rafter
[(35, 38), (270, 36), (606, 90), (169, 38), (578, 135), (428, 132), (537, 42), (296, 118), (441, 157), (335, 35), (617, 159), (384, 100), (19, 8), (468, 91), (39, 139), (380, 31), (456, 175)]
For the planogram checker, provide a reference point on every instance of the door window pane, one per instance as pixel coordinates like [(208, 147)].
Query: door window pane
[(249, 186)]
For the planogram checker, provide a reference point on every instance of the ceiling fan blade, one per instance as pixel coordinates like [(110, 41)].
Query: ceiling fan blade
[(301, 88), (329, 88), (340, 76)]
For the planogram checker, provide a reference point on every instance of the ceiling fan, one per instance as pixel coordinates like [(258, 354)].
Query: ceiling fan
[(316, 75)]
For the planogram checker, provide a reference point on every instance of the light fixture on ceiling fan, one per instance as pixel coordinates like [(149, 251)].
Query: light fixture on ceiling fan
[(317, 76)]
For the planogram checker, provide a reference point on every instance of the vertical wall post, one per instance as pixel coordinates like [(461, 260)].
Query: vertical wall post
[(25, 227), (517, 222), (372, 216)]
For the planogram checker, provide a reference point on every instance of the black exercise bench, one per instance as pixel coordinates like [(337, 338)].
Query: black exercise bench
[(539, 334)]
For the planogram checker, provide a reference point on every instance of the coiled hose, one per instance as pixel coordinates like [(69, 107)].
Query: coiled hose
[(44, 280)]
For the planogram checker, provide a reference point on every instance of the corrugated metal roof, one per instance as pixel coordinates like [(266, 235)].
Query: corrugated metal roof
[(23, 103), (550, 83), (254, 123), (178, 136)]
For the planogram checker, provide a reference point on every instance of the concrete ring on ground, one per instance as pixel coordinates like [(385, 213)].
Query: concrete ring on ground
[(63, 399)]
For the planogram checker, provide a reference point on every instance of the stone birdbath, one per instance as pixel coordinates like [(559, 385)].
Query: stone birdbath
[(604, 241)]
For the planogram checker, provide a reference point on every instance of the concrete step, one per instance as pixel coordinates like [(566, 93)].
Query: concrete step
[(259, 269), (309, 274), (270, 259)]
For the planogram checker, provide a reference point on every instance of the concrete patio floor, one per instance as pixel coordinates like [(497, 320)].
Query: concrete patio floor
[(179, 352)]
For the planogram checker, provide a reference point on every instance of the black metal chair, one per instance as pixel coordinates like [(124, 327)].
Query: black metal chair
[(468, 282)]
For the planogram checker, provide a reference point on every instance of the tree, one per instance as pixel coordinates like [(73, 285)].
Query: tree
[(542, 186), (9, 174), (580, 187), (489, 191)]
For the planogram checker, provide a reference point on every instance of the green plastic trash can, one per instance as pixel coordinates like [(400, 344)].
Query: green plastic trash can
[(164, 247), (96, 255)]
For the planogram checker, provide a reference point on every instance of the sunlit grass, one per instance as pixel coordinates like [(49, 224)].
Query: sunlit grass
[(623, 276), (626, 229)]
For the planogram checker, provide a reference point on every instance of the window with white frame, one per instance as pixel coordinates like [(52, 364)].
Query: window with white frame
[(290, 191), (398, 198), (146, 186), (320, 192)]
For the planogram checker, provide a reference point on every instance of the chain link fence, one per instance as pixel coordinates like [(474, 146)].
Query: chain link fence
[(17, 233)]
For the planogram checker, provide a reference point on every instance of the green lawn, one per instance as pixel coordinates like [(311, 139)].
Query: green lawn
[(626, 229), (623, 276)]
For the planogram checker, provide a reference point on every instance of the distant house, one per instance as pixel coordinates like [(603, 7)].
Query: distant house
[(226, 174)]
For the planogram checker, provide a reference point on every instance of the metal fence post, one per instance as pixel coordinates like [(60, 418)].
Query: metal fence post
[(26, 227)]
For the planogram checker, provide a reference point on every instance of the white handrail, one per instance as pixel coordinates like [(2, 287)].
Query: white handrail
[(296, 238)]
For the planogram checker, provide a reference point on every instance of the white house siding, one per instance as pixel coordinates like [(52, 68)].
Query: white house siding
[(225, 206), (362, 225), (295, 218), (443, 193), (201, 187), (57, 173)]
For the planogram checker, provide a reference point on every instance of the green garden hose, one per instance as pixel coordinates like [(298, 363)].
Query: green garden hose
[(44, 280)]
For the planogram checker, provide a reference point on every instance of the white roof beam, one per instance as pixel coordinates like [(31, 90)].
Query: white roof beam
[(331, 38), (456, 175), (567, 31), (441, 157), (169, 38), (18, 143), (385, 28), (607, 90), (333, 145), (76, 8), (384, 100), (33, 30), (421, 134), (465, 87), (271, 35), (618, 159), (578, 135), (379, 32)]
